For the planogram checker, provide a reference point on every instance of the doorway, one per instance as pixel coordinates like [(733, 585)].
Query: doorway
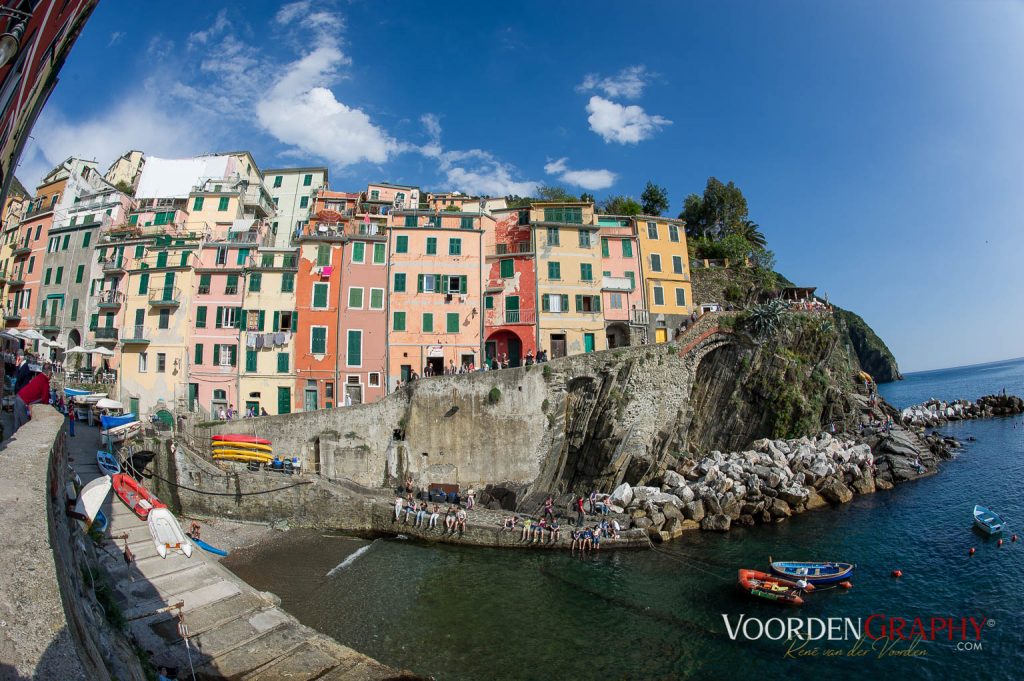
[(515, 352), (353, 391), (661, 335), (406, 372), (436, 365), (310, 396), (490, 350), (558, 345), (588, 342)]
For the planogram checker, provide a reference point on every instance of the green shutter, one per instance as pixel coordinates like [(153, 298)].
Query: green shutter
[(428, 322), (565, 302), (201, 316), (239, 313), (161, 259), (86, 238), (243, 255), (284, 400), (376, 299), (402, 243), (596, 307), (79, 274), (255, 282), (579, 302), (319, 342), (223, 203), (604, 247), (627, 248), (545, 305), (358, 251), (184, 258), (74, 309), (46, 277), (398, 323), (199, 353), (282, 362), (233, 353), (463, 284), (452, 322), (355, 348), (198, 205), (250, 360), (431, 245), (277, 321), (323, 255), (507, 268), (220, 317), (488, 302), (355, 297), (419, 283), (320, 295), (262, 319), (287, 282), (144, 282), (378, 254), (216, 355)]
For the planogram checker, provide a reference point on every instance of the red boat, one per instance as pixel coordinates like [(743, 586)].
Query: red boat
[(135, 496), (772, 588), (250, 439)]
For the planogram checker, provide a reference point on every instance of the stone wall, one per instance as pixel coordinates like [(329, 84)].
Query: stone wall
[(53, 627)]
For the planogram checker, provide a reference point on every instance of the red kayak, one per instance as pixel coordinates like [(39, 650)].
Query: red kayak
[(772, 588), (249, 439), (135, 496)]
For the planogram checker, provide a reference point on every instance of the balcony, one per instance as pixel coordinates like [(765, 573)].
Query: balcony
[(104, 334), (3, 277), (50, 324), (20, 250), (110, 300), (624, 284), (135, 335), (41, 209), (257, 197), (114, 265), (500, 318), (17, 279), (273, 261), (639, 317), (12, 315), (518, 248), (165, 297)]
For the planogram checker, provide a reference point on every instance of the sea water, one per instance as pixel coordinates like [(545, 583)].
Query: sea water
[(464, 613)]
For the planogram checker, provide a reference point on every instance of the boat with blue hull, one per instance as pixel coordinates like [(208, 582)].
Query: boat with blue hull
[(987, 520), (813, 572)]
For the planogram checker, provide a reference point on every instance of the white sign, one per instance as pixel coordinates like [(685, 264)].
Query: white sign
[(435, 351)]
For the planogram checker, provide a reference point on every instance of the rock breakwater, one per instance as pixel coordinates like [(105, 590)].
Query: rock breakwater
[(937, 412)]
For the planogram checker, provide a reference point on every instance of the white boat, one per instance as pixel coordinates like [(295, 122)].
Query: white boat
[(122, 432), (167, 534), (987, 521), (91, 498)]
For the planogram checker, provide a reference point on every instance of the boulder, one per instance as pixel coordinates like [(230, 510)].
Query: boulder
[(670, 511), (778, 509), (836, 492), (657, 519), (694, 510), (637, 513), (672, 479), (684, 493), (642, 523), (793, 495), (864, 485), (623, 495), (673, 528), (716, 523), (642, 494), (711, 504), (665, 499), (814, 501), (688, 525)]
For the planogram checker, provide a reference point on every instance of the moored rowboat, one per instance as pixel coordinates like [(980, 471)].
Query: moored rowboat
[(988, 521), (136, 497), (813, 572), (92, 497), (167, 534), (772, 588), (107, 462)]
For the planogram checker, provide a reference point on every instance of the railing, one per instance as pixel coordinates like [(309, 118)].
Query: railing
[(273, 261), (12, 314), (109, 297), (16, 279), (516, 248), (639, 317), (617, 284), (168, 296), (21, 249), (137, 333), (255, 196), (114, 264), (104, 332), (499, 317), (38, 210)]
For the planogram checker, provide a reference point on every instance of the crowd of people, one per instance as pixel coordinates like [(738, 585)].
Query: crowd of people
[(489, 364), (546, 528)]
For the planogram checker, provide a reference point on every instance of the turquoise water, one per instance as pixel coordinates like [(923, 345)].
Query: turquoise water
[(460, 613)]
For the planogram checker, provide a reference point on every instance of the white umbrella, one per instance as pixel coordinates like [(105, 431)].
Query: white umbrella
[(102, 351), (107, 403), (32, 334), (78, 350), (56, 344)]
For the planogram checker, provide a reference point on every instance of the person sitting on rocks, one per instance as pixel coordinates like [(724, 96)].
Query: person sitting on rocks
[(614, 528), (526, 529), (510, 523), (538, 530), (577, 538), (410, 509), (399, 504), (432, 523), (587, 539), (553, 527), (596, 537), (460, 520), (421, 514), (549, 507), (449, 519)]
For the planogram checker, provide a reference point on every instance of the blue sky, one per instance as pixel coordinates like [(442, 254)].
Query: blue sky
[(879, 144)]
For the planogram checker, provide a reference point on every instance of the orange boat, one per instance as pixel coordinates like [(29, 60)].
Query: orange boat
[(772, 588), (135, 496)]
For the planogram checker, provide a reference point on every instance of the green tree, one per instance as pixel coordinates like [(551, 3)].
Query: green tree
[(453, 209), (654, 199), (125, 188), (588, 198), (718, 212), (621, 205), (555, 193), (751, 231)]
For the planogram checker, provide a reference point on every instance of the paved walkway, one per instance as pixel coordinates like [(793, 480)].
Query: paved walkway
[(235, 631)]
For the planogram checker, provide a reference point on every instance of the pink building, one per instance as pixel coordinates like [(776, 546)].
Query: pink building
[(622, 300)]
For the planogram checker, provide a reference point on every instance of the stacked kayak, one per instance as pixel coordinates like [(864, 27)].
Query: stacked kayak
[(241, 448)]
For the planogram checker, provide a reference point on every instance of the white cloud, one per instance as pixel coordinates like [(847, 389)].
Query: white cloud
[(115, 38), (587, 179), (220, 25), (472, 171), (292, 11), (629, 83), (623, 124)]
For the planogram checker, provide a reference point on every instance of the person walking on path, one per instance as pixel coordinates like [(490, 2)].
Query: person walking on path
[(36, 391)]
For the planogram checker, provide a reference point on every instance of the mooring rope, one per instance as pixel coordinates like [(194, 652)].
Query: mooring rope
[(690, 564)]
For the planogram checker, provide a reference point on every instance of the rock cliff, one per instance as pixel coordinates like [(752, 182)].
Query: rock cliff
[(872, 353)]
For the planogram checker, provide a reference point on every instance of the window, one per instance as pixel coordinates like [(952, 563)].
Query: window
[(31, 263), (355, 298), (284, 321), (144, 282), (198, 203), (255, 320), (399, 282), (488, 302), (374, 379), (287, 282), (165, 319), (398, 321), (376, 299), (584, 238), (411, 221), (466, 223), (374, 194), (615, 301), (401, 244), (673, 233), (304, 202), (568, 215), (457, 284), (318, 340), (588, 303), (250, 360), (201, 317), (358, 252), (46, 276), (554, 270), (431, 245), (632, 280), (506, 268), (681, 297), (428, 283), (282, 362), (231, 286), (652, 230), (428, 322), (161, 362), (307, 180), (659, 295), (552, 235), (225, 355), (277, 181), (222, 256), (586, 272), (198, 354), (74, 309), (204, 284), (627, 248), (354, 356), (379, 251), (143, 360), (452, 322), (161, 259), (320, 296), (255, 282), (222, 205), (454, 246), (677, 264), (228, 318), (604, 247), (655, 262), (86, 238), (554, 303), (243, 255), (323, 255)]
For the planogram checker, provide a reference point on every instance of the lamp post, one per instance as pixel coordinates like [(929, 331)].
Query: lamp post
[(10, 41)]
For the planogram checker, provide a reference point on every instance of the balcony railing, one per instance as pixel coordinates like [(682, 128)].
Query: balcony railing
[(38, 210), (21, 249), (513, 249), (11, 315), (16, 279), (104, 333), (115, 264), (499, 317), (165, 296), (50, 324), (273, 261), (639, 317), (256, 196), (109, 298), (135, 334), (617, 284)]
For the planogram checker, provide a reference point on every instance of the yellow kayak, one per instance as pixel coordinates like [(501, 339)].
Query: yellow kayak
[(262, 456), (243, 458), (248, 446)]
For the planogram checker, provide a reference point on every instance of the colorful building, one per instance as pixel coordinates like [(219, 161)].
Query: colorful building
[(510, 288), (293, 191), (666, 275), (566, 242), (436, 309), (14, 207), (317, 301), (622, 299)]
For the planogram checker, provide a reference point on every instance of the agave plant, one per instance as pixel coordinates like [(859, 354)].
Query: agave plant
[(766, 318)]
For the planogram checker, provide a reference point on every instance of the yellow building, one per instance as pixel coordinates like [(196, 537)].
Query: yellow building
[(665, 267), (568, 259)]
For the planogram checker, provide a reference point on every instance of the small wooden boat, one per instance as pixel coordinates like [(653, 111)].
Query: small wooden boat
[(123, 432), (107, 462), (100, 522), (772, 588), (813, 572), (91, 498), (232, 437), (244, 458), (167, 534), (209, 549), (136, 497), (109, 422), (248, 446), (987, 521)]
